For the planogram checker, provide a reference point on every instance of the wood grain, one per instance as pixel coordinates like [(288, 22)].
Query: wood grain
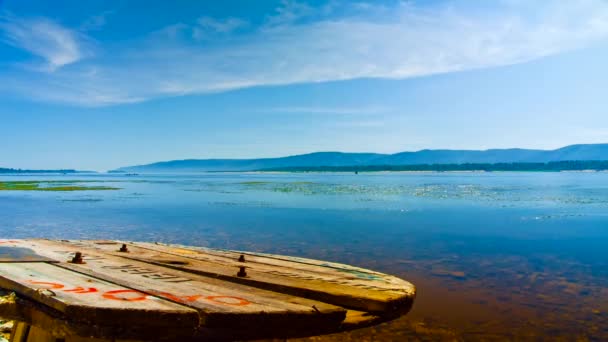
[(192, 291), (220, 304), (346, 291), (83, 298)]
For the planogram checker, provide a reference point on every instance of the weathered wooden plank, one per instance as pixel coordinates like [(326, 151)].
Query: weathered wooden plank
[(273, 259), (223, 256), (330, 289), (273, 264), (344, 274), (226, 305), (83, 298), (222, 304), (19, 254), (30, 313)]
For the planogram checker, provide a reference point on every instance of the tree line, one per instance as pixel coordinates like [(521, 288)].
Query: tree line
[(574, 165)]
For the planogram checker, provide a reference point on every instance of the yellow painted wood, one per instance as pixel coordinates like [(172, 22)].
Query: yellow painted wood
[(30, 333), (36, 334), (20, 332)]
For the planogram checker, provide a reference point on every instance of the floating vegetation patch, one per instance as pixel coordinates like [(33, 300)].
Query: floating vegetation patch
[(213, 189), (246, 203), (494, 194), (50, 186), (83, 200), (224, 203), (149, 181), (503, 196)]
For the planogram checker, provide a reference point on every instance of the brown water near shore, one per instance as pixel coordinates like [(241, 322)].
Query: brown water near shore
[(453, 307)]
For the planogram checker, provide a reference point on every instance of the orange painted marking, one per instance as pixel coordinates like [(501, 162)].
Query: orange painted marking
[(181, 299), (228, 300), (81, 290), (224, 300), (123, 295), (48, 285), (135, 296)]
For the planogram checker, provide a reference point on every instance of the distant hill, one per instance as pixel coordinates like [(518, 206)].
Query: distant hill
[(312, 159), (596, 152)]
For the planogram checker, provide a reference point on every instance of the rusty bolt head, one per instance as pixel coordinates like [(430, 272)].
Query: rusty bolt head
[(241, 272), (124, 248), (242, 258), (77, 259)]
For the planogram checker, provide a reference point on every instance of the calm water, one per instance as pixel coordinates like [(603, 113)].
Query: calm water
[(494, 255)]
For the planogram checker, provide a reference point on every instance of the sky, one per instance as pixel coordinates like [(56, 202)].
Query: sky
[(96, 85)]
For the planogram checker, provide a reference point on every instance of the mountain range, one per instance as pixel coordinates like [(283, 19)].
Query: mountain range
[(336, 159)]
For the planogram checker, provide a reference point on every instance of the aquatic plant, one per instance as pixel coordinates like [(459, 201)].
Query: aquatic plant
[(49, 186)]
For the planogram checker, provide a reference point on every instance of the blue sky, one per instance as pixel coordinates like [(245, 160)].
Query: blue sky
[(102, 84)]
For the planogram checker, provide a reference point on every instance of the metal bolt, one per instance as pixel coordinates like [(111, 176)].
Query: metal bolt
[(124, 248), (77, 259), (242, 258), (242, 272)]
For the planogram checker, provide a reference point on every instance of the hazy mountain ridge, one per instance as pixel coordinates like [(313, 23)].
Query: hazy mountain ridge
[(336, 159)]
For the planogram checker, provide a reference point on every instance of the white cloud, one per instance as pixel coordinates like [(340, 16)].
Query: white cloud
[(55, 44), (379, 42)]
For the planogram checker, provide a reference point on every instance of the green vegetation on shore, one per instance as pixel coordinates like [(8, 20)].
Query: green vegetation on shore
[(7, 170), (594, 165), (49, 186)]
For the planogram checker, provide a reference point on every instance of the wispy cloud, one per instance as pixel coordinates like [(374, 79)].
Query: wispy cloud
[(289, 12), (56, 45), (326, 110), (353, 41), (361, 124), (208, 27), (222, 26)]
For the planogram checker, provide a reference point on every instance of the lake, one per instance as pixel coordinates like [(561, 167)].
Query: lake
[(493, 255)]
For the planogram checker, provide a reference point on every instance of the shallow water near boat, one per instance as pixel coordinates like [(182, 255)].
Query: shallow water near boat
[(493, 255)]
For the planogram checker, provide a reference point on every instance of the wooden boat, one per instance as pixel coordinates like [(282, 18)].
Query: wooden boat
[(113, 290)]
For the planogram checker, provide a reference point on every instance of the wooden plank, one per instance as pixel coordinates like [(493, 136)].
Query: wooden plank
[(221, 304), (30, 313), (10, 253), (83, 298), (344, 274), (274, 259), (18, 254), (20, 332), (332, 289)]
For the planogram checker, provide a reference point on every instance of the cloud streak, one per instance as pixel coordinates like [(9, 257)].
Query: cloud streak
[(327, 110), (367, 41), (56, 45)]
